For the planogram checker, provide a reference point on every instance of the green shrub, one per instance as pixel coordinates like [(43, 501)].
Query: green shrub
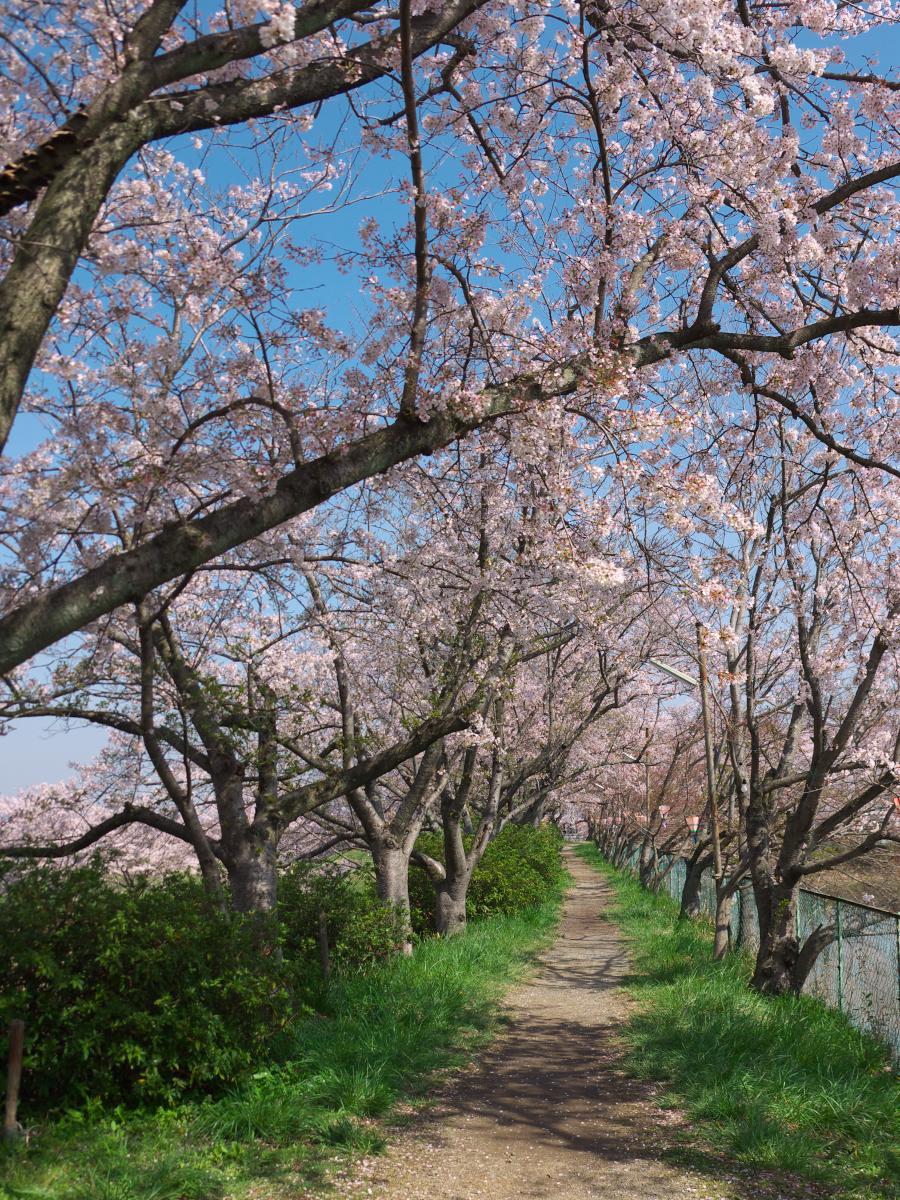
[(361, 931), (140, 992), (520, 869), (283, 1130), (134, 992)]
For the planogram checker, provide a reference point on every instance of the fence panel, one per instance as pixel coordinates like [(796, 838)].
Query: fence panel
[(677, 879), (708, 894), (869, 968), (859, 973), (824, 980)]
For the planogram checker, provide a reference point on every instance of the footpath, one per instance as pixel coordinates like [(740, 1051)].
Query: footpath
[(547, 1112)]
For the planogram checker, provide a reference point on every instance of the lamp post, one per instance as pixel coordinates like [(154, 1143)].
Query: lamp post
[(673, 671), (722, 926), (702, 683)]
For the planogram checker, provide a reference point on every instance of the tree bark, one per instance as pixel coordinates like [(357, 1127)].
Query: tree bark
[(253, 877), (647, 864), (775, 972), (450, 906), (722, 943), (690, 893), (392, 885)]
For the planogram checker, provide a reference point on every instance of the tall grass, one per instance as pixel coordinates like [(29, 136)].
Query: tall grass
[(380, 1038), (782, 1084)]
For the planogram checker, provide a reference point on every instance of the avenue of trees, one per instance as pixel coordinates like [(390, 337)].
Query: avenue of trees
[(383, 387)]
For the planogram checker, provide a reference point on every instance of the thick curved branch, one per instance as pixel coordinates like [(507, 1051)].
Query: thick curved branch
[(145, 72), (175, 550), (130, 815)]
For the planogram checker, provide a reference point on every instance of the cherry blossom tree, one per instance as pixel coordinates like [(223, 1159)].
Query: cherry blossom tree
[(790, 555), (562, 687), (592, 204), (230, 700), (491, 562)]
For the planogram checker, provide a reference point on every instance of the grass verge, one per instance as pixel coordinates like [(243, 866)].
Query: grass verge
[(382, 1036), (781, 1084)]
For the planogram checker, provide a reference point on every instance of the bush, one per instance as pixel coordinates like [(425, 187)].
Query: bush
[(141, 992), (284, 1130), (361, 931), (132, 991), (520, 869)]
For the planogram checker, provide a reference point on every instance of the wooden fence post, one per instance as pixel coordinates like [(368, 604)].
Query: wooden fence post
[(13, 1078), (840, 954)]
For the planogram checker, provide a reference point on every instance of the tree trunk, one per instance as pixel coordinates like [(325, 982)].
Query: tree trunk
[(722, 943), (254, 879), (212, 883), (534, 813), (690, 893), (775, 973), (392, 885), (450, 906), (647, 864)]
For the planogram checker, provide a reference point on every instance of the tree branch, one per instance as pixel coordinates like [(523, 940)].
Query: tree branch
[(130, 815)]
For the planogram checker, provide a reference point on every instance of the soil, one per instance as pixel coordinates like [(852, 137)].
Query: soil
[(873, 879), (548, 1111)]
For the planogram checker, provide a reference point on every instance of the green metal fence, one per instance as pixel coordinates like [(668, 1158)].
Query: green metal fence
[(859, 973)]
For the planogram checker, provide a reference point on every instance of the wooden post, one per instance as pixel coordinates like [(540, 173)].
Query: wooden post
[(13, 1078), (840, 954), (722, 937), (324, 956)]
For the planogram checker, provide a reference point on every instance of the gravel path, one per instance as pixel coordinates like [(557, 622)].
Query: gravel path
[(547, 1112)]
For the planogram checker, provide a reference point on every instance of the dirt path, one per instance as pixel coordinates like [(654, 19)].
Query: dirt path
[(547, 1112)]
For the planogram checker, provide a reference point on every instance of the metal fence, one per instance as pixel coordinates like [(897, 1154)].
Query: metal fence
[(858, 974)]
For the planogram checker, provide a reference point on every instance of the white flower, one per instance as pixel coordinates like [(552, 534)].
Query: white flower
[(604, 573), (280, 28)]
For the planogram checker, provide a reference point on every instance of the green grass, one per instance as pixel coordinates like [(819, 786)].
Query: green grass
[(381, 1038), (780, 1084)]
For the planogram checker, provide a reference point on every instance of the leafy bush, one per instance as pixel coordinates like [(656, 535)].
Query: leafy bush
[(520, 869), (140, 991), (361, 931), (283, 1129), (132, 991)]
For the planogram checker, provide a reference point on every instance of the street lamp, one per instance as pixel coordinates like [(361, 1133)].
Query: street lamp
[(674, 672), (701, 683)]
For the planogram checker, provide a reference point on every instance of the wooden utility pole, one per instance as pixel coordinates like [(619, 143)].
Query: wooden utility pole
[(721, 944)]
